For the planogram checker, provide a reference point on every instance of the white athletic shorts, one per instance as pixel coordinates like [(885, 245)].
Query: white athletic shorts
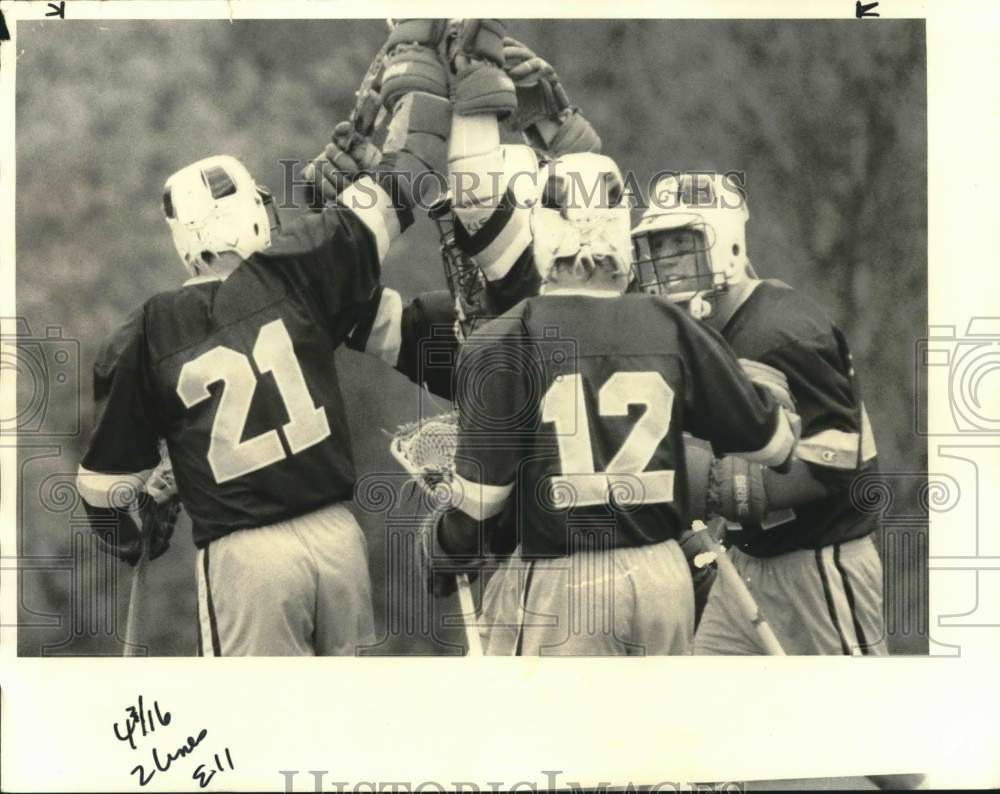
[(824, 601), (295, 588), (629, 601)]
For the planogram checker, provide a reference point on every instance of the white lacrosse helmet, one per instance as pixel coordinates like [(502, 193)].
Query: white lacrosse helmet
[(214, 205), (691, 241), (581, 214)]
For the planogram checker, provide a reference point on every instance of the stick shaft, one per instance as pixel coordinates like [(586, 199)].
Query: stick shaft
[(468, 607), (135, 604), (748, 606)]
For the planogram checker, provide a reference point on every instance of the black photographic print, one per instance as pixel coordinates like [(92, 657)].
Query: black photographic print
[(419, 341)]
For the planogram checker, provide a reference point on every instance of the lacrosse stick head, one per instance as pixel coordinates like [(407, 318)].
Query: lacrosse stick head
[(426, 449)]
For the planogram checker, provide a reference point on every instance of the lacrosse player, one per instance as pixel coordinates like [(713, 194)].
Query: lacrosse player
[(235, 370), (570, 422), (796, 536)]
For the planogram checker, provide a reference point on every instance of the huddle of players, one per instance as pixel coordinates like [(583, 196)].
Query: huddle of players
[(611, 398)]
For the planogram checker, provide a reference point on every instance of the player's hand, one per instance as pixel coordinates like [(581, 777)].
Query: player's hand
[(539, 93), (345, 158), (474, 50), (701, 549), (437, 584), (413, 61), (158, 522), (437, 572), (159, 511), (772, 379), (524, 67)]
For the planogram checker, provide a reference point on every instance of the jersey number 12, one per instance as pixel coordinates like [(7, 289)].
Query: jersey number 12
[(565, 407), (228, 456)]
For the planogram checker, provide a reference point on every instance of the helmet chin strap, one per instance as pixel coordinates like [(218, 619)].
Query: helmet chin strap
[(699, 307)]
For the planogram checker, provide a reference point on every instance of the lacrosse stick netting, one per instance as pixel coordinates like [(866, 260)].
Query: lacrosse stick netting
[(426, 449)]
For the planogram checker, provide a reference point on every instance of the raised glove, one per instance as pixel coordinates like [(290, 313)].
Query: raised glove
[(417, 145), (345, 158), (475, 52), (413, 62), (536, 83), (544, 115)]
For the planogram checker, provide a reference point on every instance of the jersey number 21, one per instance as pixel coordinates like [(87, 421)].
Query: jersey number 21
[(228, 456)]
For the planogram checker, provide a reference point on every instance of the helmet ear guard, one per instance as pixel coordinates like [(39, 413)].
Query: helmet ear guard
[(213, 206)]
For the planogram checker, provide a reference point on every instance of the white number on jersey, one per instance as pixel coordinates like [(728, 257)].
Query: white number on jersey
[(273, 352), (564, 406)]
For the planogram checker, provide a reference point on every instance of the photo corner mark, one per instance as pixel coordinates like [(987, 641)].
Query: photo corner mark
[(864, 10)]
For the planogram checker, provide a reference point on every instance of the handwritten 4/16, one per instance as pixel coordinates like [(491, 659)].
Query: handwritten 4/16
[(146, 720)]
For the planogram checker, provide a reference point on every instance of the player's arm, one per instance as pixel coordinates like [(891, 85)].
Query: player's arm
[(112, 475), (489, 448), (836, 441), (416, 338), (737, 415), (492, 186)]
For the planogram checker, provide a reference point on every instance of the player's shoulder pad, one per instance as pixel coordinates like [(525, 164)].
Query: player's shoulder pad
[(117, 347), (789, 315), (510, 326), (435, 306)]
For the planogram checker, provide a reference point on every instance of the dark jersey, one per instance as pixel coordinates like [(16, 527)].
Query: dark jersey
[(782, 328), (238, 377), (571, 412)]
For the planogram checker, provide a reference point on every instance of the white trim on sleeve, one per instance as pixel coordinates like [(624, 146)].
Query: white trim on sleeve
[(374, 208), (778, 448), (385, 337), (477, 500), (118, 491)]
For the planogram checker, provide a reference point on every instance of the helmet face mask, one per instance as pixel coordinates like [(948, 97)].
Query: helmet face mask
[(213, 206), (675, 262)]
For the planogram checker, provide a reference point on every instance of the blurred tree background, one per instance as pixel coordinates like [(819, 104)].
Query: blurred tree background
[(826, 118)]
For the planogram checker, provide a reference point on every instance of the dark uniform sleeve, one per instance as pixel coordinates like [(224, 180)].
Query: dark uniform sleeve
[(334, 257), (496, 421), (125, 440), (418, 339), (723, 406), (837, 438)]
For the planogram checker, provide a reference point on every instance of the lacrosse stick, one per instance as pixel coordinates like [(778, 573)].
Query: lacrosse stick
[(135, 599), (427, 451), (159, 486), (744, 600)]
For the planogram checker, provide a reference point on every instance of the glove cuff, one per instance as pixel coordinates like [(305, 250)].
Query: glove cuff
[(482, 88), (573, 135), (736, 490), (412, 67), (483, 38), (417, 147), (417, 31)]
